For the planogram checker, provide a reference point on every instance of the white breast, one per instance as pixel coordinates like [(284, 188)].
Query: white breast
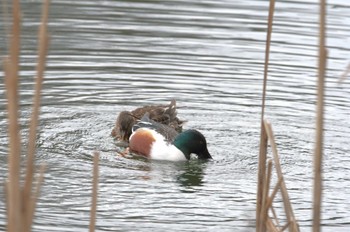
[(163, 151)]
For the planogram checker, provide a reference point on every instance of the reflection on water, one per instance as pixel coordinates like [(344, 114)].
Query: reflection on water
[(192, 175), (110, 56)]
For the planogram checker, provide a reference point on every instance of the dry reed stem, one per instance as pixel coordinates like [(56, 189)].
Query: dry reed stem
[(261, 178), (287, 205), (317, 195), (274, 192), (267, 54), (294, 225), (268, 180), (7, 207), (42, 52), (11, 68), (270, 226), (263, 138), (264, 207), (20, 204), (31, 204), (275, 215), (285, 226), (94, 193)]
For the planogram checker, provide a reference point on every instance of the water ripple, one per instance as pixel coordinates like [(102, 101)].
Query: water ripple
[(110, 56)]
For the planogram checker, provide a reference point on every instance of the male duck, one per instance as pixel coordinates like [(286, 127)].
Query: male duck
[(164, 114), (158, 141)]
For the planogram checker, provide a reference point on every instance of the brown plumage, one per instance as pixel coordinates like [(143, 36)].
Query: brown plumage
[(164, 114)]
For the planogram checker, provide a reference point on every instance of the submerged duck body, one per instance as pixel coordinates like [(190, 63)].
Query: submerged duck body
[(163, 114), (157, 141)]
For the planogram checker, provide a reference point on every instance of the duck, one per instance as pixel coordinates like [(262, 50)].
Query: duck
[(164, 114), (158, 141)]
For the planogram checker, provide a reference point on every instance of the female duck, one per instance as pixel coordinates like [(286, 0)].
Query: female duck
[(164, 114)]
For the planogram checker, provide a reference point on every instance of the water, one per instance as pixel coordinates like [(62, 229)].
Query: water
[(109, 56)]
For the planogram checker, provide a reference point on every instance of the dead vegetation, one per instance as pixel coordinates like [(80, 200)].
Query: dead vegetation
[(266, 218), (22, 192)]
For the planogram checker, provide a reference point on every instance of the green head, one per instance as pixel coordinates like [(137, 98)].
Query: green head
[(192, 141)]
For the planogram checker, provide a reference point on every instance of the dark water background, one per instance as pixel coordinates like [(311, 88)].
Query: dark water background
[(109, 56)]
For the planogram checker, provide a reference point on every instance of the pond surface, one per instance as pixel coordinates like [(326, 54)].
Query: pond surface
[(110, 56)]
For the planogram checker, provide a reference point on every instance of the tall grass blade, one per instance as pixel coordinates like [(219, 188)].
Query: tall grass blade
[(263, 138), (94, 193), (42, 52), (317, 194), (11, 69)]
